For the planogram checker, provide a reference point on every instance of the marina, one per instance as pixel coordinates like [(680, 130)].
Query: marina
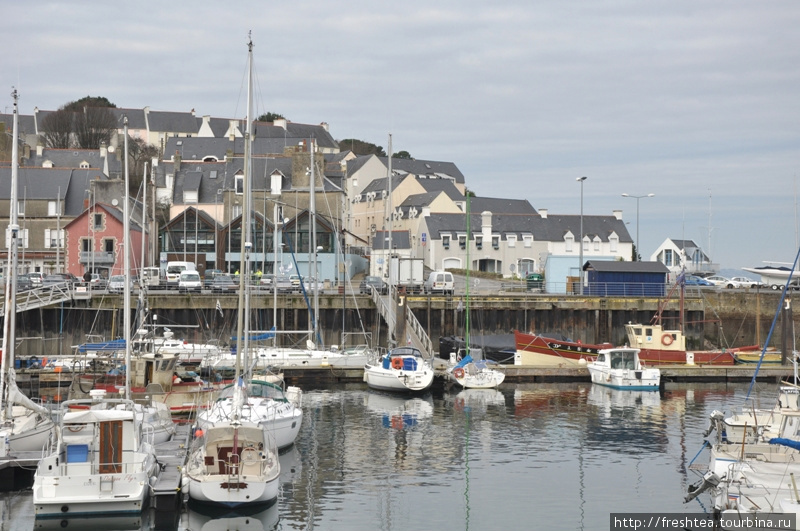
[(572, 452)]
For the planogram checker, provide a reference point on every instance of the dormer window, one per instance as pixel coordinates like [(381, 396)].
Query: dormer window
[(597, 244), (462, 241), (479, 242), (446, 242), (495, 242), (190, 196), (527, 239), (568, 241), (512, 240), (239, 183), (84, 165)]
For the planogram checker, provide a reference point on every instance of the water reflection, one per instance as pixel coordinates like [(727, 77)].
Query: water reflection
[(258, 519), (81, 523)]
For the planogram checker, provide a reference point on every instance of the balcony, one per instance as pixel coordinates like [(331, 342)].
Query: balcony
[(97, 258)]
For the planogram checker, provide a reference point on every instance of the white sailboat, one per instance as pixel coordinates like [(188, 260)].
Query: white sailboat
[(470, 373), (24, 425), (103, 460), (233, 461), (402, 369)]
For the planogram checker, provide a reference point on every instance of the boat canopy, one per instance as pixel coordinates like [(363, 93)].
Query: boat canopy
[(104, 346)]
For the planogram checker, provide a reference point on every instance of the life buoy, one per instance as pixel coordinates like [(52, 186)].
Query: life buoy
[(458, 373), (397, 363), (667, 339)]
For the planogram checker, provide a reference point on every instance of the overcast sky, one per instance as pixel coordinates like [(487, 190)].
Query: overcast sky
[(695, 102)]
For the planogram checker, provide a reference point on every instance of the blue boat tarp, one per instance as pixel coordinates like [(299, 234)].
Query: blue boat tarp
[(463, 362), (259, 337), (104, 346), (791, 443)]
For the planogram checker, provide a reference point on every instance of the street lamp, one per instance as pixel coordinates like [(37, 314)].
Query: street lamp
[(580, 243), (637, 197)]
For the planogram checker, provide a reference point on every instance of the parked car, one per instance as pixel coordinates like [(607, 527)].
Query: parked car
[(440, 282), (24, 283), (745, 282), (36, 279), (266, 282), (116, 284), (98, 282), (65, 280), (190, 281), (310, 284), (286, 285), (211, 274), (223, 283), (723, 282), (372, 282), (692, 280)]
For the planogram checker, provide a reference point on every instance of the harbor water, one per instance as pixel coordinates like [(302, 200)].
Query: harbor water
[(526, 456)]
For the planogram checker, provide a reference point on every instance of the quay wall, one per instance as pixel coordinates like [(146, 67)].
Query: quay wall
[(727, 318)]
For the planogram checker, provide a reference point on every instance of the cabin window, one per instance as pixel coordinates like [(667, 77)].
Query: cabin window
[(648, 332), (601, 358)]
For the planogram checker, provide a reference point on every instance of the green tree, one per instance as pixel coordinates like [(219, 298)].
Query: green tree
[(270, 117), (402, 155), (88, 101), (360, 147)]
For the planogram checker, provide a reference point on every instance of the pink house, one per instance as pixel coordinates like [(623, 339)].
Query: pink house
[(94, 242)]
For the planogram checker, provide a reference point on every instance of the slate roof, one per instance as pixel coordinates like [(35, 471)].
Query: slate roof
[(296, 132), (431, 168), (25, 123), (357, 163), (554, 227), (508, 206), (171, 122), (503, 224), (442, 185), (617, 266), (117, 214), (219, 126), (135, 118), (379, 185), (401, 239), (44, 184), (73, 158)]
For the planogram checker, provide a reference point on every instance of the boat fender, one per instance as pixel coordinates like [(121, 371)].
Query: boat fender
[(397, 363), (458, 373), (667, 339)]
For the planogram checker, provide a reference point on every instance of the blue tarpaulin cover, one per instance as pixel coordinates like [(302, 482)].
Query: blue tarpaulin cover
[(791, 443), (117, 344)]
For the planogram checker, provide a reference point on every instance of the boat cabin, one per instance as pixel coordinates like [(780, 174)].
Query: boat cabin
[(619, 358), (654, 337), (154, 372)]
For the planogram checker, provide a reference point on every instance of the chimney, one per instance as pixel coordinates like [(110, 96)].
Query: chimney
[(618, 214), (26, 151), (325, 126), (39, 150), (486, 225), (103, 149), (177, 161), (280, 122), (543, 213)]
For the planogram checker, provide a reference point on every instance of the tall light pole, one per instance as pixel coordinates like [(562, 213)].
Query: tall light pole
[(637, 197), (580, 240)]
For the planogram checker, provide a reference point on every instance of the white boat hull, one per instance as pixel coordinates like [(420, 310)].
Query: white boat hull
[(382, 379), (215, 490), (645, 379), (281, 420), (33, 437), (480, 379)]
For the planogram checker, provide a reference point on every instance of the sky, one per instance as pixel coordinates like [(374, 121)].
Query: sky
[(694, 102)]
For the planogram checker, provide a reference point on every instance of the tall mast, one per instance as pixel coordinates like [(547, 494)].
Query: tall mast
[(313, 243), (10, 321), (244, 296), (126, 216), (389, 239)]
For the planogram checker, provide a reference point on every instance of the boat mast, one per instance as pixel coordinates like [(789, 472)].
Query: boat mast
[(466, 295), (127, 265), (313, 244), (10, 320), (388, 243), (244, 296)]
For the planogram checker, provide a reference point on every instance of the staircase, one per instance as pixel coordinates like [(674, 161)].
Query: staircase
[(414, 330)]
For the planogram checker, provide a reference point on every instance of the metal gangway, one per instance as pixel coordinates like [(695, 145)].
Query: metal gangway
[(41, 297), (414, 330)]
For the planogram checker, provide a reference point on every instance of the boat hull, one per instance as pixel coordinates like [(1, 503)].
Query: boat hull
[(537, 350), (482, 379), (393, 380), (33, 439)]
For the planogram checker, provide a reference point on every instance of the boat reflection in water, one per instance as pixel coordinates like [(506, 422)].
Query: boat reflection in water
[(201, 519), (476, 400), (99, 523), (399, 412)]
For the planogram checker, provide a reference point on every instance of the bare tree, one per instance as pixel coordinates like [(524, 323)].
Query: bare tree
[(94, 125), (57, 129), (139, 152)]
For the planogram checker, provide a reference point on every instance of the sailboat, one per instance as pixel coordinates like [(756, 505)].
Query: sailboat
[(233, 461), (103, 460), (24, 425), (470, 373), (404, 368)]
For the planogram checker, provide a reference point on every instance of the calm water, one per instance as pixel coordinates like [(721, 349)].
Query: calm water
[(529, 456)]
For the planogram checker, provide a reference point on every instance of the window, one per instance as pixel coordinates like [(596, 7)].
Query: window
[(21, 208), (568, 241), (479, 242), (446, 241), (613, 242), (585, 244), (86, 245), (512, 240), (597, 244), (97, 221), (190, 196), (52, 240), (239, 183), (462, 241), (528, 239), (22, 238), (52, 208), (108, 245), (667, 257), (496, 242), (84, 165)]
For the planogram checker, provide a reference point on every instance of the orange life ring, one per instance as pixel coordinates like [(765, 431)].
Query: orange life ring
[(458, 373), (667, 339), (397, 363)]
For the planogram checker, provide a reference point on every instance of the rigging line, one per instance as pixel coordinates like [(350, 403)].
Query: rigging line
[(772, 327)]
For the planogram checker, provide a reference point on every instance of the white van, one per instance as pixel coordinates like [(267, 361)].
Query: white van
[(440, 282), (190, 281), (150, 277), (174, 270)]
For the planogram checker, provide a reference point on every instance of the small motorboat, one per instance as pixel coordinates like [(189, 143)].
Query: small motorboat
[(621, 368)]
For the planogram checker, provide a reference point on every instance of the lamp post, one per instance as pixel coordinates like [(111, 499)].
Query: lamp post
[(580, 240), (637, 197)]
